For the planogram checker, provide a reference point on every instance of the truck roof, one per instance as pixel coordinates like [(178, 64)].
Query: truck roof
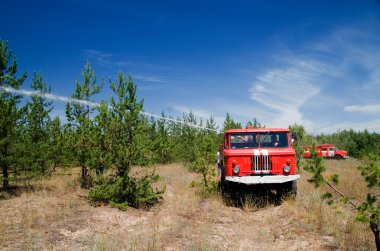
[(257, 130), (322, 145)]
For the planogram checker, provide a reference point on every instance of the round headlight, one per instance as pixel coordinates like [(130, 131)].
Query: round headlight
[(236, 170), (286, 168)]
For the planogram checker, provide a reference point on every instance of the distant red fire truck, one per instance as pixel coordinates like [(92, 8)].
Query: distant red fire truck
[(326, 151), (260, 157)]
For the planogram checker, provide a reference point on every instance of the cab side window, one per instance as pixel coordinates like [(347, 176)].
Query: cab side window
[(226, 143)]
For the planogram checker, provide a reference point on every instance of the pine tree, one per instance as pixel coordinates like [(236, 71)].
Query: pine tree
[(124, 122), (299, 131), (160, 147), (229, 123), (78, 115), (37, 121), (188, 137), (255, 124), (56, 142), (175, 139), (123, 126), (10, 113), (101, 132), (205, 148)]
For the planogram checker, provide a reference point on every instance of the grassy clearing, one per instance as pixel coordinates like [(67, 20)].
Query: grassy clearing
[(54, 214)]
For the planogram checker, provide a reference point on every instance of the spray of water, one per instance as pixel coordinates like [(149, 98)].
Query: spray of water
[(49, 96), (91, 104)]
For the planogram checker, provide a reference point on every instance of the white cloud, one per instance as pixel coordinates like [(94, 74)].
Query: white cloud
[(285, 90), (363, 108), (151, 78), (339, 72), (350, 48), (103, 58)]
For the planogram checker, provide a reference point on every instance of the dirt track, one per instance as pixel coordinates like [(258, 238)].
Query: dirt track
[(183, 221)]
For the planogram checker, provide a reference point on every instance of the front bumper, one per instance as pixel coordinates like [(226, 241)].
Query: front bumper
[(346, 157), (267, 179)]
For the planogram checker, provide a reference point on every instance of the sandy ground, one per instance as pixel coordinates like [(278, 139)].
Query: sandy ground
[(60, 218)]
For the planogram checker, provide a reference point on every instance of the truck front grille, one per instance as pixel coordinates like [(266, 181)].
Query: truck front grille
[(261, 163)]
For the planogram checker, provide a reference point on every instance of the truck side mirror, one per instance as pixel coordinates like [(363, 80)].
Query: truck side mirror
[(294, 137)]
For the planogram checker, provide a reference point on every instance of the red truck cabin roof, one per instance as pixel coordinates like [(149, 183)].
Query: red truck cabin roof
[(325, 145), (258, 130)]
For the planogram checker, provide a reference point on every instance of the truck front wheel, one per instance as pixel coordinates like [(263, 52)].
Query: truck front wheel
[(338, 156), (287, 190)]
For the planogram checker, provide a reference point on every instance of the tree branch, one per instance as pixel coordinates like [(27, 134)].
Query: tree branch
[(340, 193)]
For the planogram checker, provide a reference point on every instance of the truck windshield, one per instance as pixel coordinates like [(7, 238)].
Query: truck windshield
[(244, 140), (253, 140), (274, 139)]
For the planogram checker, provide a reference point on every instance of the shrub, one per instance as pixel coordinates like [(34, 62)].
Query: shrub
[(122, 192)]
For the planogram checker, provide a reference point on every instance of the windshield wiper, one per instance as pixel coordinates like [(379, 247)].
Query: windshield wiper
[(265, 137)]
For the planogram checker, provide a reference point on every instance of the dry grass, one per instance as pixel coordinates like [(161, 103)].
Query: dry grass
[(337, 220), (54, 215), (29, 218)]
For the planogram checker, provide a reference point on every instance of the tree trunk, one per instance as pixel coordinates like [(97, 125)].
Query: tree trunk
[(376, 233), (205, 177), (5, 177), (5, 168), (85, 178)]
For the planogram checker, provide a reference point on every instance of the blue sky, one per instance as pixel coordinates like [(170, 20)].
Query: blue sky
[(311, 62)]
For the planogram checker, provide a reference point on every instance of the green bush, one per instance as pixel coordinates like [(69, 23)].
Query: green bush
[(122, 192)]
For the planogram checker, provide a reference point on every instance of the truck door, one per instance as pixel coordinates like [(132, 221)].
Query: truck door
[(331, 152), (324, 152)]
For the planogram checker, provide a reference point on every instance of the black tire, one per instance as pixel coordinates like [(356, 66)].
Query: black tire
[(287, 190), (338, 156), (222, 174), (231, 194)]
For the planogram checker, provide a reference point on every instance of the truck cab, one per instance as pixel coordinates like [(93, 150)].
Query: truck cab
[(259, 157)]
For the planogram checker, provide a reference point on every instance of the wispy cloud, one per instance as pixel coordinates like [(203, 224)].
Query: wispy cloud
[(339, 73), (104, 59), (355, 52), (363, 108), (285, 90), (151, 78)]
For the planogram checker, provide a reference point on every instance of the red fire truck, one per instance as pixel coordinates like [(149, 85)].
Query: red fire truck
[(326, 151), (260, 157)]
